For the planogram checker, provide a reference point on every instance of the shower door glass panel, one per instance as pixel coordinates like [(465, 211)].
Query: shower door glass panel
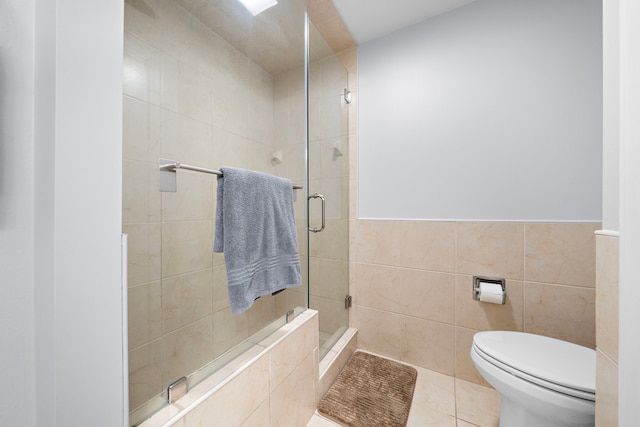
[(328, 176), (207, 84)]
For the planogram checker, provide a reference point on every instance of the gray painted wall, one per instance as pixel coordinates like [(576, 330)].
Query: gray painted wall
[(492, 111)]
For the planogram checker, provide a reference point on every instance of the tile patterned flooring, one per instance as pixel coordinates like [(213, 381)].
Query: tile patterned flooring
[(443, 401)]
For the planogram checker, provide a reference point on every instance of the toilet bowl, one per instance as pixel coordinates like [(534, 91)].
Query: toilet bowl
[(542, 381)]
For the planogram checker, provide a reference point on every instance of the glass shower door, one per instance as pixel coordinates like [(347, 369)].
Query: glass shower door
[(328, 180)]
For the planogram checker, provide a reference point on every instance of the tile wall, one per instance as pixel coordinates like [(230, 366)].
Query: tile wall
[(328, 174), (607, 314), (274, 384), (189, 96), (413, 286)]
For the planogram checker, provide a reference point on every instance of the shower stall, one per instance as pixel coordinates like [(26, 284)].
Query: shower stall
[(208, 83)]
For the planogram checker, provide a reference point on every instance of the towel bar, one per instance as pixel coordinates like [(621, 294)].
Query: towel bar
[(168, 174)]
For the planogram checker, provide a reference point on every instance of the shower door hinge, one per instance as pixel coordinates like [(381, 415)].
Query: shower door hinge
[(347, 302)]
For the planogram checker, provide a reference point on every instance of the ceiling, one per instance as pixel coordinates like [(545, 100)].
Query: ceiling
[(370, 19)]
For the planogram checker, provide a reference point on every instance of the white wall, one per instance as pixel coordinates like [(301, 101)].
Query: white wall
[(492, 111), (16, 213), (629, 370), (611, 117), (60, 194)]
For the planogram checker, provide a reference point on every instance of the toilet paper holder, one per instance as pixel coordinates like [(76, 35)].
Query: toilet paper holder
[(479, 279)]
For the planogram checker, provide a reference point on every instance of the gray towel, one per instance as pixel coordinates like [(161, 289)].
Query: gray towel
[(256, 230)]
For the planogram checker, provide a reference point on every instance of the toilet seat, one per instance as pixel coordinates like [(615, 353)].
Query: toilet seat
[(547, 362)]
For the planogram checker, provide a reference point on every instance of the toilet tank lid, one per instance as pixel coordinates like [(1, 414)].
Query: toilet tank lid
[(556, 361)]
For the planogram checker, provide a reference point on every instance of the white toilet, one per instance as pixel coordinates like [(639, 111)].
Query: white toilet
[(543, 382)]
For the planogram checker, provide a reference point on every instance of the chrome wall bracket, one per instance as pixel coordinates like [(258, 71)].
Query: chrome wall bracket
[(177, 390)]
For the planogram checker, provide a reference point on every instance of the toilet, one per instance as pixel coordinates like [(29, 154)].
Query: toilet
[(542, 381)]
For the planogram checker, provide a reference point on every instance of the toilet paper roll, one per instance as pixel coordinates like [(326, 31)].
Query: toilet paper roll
[(491, 293)]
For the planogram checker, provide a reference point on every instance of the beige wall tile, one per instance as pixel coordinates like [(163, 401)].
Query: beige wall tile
[(331, 278), (427, 295), (379, 332), (186, 299), (477, 404), (377, 242), (332, 313), (260, 416), (140, 195), (379, 287), (194, 199), (224, 409), (146, 25), (261, 313), (349, 59), (428, 344), (194, 94), (142, 68), (188, 348), (563, 312), (293, 402), (427, 245), (220, 290), (490, 249), (261, 126), (288, 355), (186, 246), (560, 253), (145, 313), (230, 149), (260, 158), (185, 38), (353, 201), (607, 293), (333, 242), (607, 391), (186, 140), (465, 369), (484, 316), (293, 165), (230, 106), (140, 124), (228, 330), (144, 252), (353, 126), (147, 373)]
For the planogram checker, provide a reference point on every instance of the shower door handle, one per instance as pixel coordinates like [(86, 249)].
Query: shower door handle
[(321, 197)]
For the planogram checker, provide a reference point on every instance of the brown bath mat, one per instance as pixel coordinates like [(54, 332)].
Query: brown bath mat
[(370, 392)]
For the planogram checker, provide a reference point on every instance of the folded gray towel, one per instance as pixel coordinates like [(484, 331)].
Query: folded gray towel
[(256, 230)]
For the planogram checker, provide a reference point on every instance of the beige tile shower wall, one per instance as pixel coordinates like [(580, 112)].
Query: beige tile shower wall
[(290, 137), (192, 97), (607, 314), (329, 175), (413, 286), (274, 384)]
